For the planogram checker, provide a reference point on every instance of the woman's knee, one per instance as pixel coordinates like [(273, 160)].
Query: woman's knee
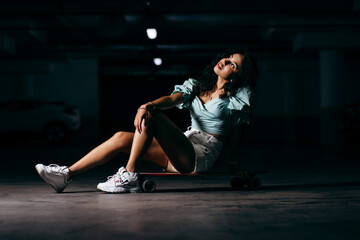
[(150, 122), (119, 138), (153, 119), (118, 135)]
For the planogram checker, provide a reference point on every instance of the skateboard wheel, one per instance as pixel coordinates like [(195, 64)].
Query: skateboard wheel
[(148, 186), (254, 184), (237, 182)]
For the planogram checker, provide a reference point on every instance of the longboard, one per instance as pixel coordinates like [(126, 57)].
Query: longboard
[(239, 179)]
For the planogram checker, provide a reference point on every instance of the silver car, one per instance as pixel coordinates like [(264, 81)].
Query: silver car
[(55, 120)]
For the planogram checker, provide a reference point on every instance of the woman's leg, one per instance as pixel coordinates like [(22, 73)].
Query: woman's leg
[(119, 142), (175, 145), (102, 153), (170, 144)]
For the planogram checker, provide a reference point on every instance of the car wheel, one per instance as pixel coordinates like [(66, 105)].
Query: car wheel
[(55, 133)]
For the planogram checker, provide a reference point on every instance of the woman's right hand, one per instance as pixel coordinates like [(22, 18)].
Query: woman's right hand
[(141, 115)]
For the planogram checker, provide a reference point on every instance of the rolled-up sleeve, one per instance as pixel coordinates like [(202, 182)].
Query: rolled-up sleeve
[(186, 89), (239, 106)]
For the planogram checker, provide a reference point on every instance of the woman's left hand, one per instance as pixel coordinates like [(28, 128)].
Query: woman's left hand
[(141, 115)]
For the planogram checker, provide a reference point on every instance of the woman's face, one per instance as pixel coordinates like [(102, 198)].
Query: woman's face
[(226, 67)]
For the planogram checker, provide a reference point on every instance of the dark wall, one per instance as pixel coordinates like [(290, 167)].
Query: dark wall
[(122, 96)]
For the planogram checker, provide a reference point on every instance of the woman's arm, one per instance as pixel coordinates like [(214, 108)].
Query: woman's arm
[(165, 102), (160, 103)]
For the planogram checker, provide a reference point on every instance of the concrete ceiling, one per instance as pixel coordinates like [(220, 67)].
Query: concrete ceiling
[(189, 32)]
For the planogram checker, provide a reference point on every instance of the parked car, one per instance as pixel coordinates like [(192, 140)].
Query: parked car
[(55, 120)]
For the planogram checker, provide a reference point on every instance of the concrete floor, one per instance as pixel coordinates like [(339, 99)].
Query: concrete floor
[(299, 200)]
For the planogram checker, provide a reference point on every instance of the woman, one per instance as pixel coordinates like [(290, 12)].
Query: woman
[(218, 103)]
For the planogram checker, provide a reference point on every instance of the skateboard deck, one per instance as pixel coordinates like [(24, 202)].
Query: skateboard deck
[(239, 179)]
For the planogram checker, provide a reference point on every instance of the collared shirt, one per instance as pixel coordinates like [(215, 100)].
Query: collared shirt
[(218, 115)]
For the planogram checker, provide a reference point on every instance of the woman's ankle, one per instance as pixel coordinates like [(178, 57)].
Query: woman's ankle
[(72, 173)]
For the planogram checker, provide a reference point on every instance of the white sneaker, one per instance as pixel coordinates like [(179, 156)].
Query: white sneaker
[(58, 177), (121, 182)]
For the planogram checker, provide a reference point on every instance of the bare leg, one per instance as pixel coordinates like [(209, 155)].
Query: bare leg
[(98, 156), (170, 145), (173, 142), (119, 142)]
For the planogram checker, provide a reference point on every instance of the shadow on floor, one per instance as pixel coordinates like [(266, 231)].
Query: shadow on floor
[(265, 188)]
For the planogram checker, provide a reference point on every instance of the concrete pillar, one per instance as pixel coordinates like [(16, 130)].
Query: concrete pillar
[(289, 106), (331, 96), (356, 5), (7, 45), (289, 93)]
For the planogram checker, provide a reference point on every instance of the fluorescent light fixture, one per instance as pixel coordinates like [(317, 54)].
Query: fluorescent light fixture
[(151, 33), (157, 61)]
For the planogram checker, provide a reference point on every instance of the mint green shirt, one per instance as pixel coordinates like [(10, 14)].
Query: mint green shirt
[(218, 115)]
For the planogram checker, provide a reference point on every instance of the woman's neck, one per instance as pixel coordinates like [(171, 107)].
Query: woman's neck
[(220, 83)]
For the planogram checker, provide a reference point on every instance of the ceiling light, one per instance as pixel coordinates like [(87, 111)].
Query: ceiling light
[(151, 33), (157, 61)]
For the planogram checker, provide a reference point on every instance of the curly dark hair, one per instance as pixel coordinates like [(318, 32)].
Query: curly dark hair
[(245, 78)]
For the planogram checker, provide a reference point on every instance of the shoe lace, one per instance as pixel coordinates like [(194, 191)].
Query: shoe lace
[(109, 178), (122, 178), (56, 168), (116, 175)]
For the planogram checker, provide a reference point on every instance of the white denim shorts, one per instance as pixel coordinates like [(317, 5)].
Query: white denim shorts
[(207, 149)]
